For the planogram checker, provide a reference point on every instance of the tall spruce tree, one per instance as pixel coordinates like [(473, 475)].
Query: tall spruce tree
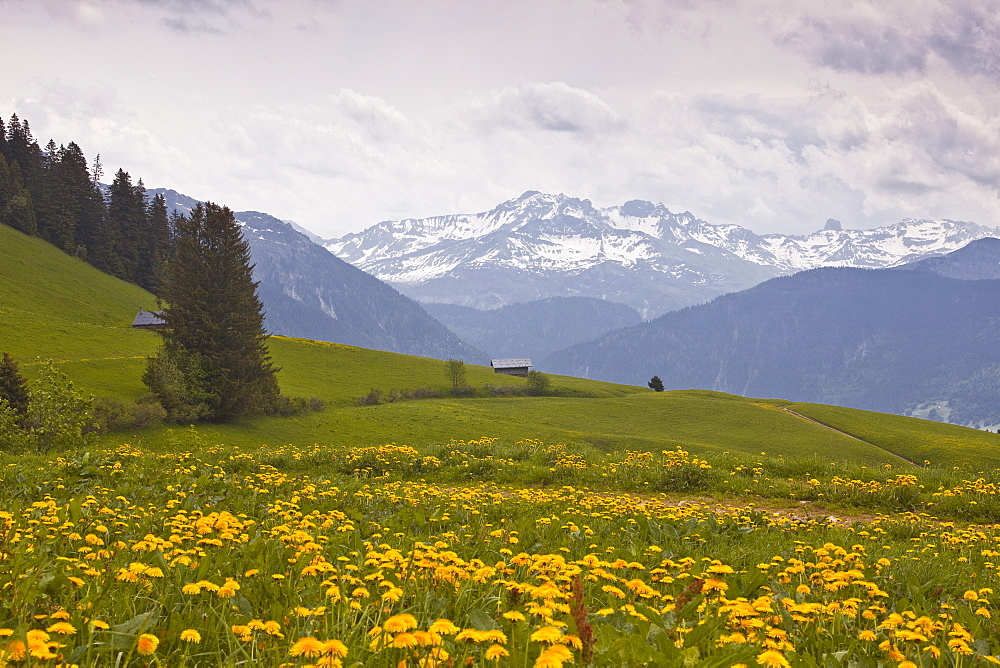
[(215, 319), (13, 386), (157, 251), (16, 208), (127, 219)]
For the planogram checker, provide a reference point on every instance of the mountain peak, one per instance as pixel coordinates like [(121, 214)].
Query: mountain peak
[(542, 245)]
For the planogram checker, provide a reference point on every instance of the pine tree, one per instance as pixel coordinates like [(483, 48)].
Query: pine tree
[(127, 218), (78, 199), (159, 248), (25, 157), (655, 384), (13, 386), (16, 208), (216, 331)]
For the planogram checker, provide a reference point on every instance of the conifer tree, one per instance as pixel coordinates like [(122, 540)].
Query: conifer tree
[(215, 319), (127, 220), (16, 208), (79, 200), (157, 250), (13, 386)]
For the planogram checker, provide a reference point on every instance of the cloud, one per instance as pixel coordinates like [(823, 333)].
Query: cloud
[(186, 26), (897, 36), (551, 107), (968, 37)]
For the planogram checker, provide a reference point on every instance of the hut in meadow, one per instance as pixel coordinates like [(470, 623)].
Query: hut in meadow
[(511, 367), (149, 320)]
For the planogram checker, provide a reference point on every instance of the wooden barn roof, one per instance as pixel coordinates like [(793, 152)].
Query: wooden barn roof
[(513, 363), (145, 319)]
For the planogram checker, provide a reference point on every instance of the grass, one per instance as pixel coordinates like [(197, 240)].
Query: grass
[(58, 307), (388, 556), (569, 535), (916, 440)]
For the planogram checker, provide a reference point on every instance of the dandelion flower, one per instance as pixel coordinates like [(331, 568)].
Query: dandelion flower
[(64, 628), (190, 635), (444, 627), (335, 647), (400, 623), (307, 646), (549, 634), (495, 652), (553, 657), (772, 658), (147, 644)]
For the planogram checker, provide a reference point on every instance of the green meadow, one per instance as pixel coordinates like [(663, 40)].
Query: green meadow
[(57, 307), (602, 524)]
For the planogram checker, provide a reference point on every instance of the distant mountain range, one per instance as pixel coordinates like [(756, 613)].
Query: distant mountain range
[(640, 254), (307, 292), (915, 342), (534, 329)]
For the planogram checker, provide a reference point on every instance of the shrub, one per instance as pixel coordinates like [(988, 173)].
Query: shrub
[(406, 394), (506, 390), (58, 415), (175, 389), (455, 371), (114, 415), (285, 406), (373, 398), (12, 437), (538, 383)]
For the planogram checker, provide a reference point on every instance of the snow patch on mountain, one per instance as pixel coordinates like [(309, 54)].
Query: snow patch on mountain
[(534, 245)]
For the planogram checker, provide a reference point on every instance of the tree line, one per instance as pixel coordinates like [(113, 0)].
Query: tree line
[(52, 193), (213, 363)]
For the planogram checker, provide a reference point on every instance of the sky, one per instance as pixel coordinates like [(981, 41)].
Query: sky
[(337, 114)]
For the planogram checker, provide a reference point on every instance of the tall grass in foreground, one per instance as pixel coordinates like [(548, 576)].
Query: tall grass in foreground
[(376, 556)]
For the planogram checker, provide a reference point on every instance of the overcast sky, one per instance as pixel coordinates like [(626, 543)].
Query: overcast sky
[(338, 114)]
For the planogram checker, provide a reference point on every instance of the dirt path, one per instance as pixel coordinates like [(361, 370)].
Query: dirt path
[(844, 433)]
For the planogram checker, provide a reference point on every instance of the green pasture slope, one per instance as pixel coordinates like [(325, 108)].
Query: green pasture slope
[(57, 307)]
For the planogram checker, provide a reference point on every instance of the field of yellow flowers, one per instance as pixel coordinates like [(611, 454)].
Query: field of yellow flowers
[(484, 554)]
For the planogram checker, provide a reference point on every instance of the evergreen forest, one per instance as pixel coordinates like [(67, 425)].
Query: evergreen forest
[(53, 193)]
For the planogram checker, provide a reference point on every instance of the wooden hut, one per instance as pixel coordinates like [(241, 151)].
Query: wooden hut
[(511, 367), (149, 320)]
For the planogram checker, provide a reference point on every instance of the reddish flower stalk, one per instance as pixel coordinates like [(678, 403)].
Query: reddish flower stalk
[(584, 630), (692, 590)]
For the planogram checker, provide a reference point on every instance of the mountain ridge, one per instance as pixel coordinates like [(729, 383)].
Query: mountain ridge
[(907, 342), (309, 293), (639, 253)]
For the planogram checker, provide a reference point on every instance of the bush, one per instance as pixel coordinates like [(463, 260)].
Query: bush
[(506, 390), (538, 383), (285, 406), (373, 398), (175, 389), (12, 437), (57, 416), (114, 415), (455, 371)]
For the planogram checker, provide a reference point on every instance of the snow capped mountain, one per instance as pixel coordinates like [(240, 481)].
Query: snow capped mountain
[(310, 293), (640, 253)]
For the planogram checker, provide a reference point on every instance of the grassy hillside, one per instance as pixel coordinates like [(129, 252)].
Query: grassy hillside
[(57, 307), (917, 440)]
